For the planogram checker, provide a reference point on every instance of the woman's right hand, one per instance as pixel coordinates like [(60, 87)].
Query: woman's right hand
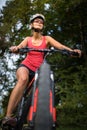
[(14, 49)]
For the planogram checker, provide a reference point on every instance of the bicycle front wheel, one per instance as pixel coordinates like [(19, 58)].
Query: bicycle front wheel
[(42, 118)]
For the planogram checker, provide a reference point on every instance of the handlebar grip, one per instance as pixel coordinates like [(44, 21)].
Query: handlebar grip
[(10, 51), (74, 53)]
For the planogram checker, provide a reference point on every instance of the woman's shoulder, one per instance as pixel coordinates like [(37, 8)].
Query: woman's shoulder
[(48, 38), (27, 38)]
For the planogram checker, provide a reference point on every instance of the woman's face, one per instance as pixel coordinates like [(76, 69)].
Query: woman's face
[(38, 24)]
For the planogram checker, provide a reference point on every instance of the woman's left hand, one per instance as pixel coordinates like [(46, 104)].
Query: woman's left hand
[(78, 51)]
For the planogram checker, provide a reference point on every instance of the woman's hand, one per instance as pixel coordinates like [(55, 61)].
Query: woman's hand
[(78, 51), (14, 49)]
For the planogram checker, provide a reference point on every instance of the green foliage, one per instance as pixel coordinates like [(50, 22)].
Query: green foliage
[(72, 96)]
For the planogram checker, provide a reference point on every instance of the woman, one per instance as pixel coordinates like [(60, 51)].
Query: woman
[(32, 62)]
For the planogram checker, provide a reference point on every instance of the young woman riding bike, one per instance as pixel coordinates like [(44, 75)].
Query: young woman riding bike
[(32, 61)]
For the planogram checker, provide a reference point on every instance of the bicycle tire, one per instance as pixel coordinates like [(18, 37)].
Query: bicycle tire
[(42, 118)]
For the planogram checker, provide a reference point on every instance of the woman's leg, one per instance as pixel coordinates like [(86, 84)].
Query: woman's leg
[(23, 78)]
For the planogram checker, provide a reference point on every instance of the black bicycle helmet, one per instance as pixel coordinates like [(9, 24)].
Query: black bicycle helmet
[(37, 16)]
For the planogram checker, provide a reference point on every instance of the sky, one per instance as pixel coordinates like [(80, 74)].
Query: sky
[(2, 3)]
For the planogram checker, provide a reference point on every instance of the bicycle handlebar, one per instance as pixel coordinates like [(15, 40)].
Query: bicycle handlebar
[(64, 52)]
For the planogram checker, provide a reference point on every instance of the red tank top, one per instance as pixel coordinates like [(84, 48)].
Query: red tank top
[(34, 59)]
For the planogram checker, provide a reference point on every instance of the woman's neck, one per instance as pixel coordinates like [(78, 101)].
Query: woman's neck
[(37, 35)]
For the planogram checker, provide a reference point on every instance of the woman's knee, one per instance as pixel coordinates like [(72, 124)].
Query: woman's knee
[(22, 75), (23, 79)]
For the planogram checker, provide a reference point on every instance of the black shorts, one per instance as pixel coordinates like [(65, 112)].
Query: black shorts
[(31, 73)]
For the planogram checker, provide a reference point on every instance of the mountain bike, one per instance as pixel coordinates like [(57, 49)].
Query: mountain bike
[(36, 110)]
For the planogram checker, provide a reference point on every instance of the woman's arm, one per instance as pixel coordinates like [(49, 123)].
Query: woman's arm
[(23, 44), (52, 42), (56, 44)]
